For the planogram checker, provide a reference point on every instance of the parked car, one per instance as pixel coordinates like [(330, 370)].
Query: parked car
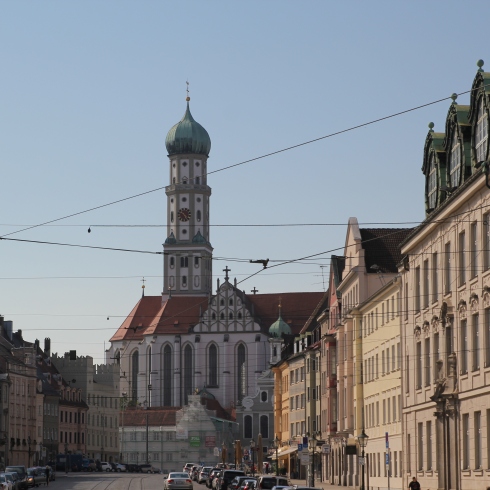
[(178, 481), (118, 467), (267, 482), (4, 484), (21, 472), (10, 480), (105, 466), (89, 465), (16, 481), (203, 474), (236, 482), (211, 475), (227, 477), (248, 484), (133, 468), (35, 476), (148, 468)]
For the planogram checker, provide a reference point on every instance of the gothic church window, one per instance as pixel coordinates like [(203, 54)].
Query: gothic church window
[(247, 427), (134, 376), (167, 376), (213, 316), (481, 132), (213, 365), (230, 316), (222, 316), (241, 372), (239, 315), (264, 426), (188, 374), (222, 302)]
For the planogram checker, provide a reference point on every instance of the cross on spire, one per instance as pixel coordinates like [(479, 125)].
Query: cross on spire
[(254, 290), (187, 90), (226, 270), (143, 287)]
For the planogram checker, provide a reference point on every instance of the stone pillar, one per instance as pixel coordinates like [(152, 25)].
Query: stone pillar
[(441, 446)]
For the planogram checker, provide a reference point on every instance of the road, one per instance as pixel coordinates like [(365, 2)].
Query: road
[(109, 481)]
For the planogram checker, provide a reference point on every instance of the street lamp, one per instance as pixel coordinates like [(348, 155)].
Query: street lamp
[(275, 445), (252, 450), (362, 438)]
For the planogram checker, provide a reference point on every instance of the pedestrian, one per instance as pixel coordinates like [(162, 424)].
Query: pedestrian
[(48, 471), (414, 484)]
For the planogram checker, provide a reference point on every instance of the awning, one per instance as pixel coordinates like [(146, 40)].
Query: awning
[(284, 453)]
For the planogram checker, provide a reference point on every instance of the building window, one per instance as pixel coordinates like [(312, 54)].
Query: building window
[(264, 427), (427, 361), (466, 441), (487, 346), (247, 427), (447, 267), (420, 444), (455, 161), (473, 250), (462, 258), (417, 289), (475, 348), (188, 372), (481, 132), (419, 365), (436, 354), (198, 216), (426, 283), (435, 278), (184, 262), (464, 347), (213, 365), (486, 241), (432, 183), (428, 429), (241, 372), (134, 376), (478, 440)]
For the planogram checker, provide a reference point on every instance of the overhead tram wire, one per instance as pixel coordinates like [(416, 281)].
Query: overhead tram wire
[(228, 167)]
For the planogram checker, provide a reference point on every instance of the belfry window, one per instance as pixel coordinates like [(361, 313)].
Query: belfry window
[(198, 216), (198, 180), (184, 262), (481, 132), (455, 161), (432, 182), (171, 216)]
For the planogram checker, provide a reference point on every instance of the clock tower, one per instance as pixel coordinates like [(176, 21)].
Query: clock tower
[(187, 250)]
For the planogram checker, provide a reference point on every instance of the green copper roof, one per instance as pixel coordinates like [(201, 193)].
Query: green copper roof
[(171, 240), (279, 327), (198, 238), (188, 136)]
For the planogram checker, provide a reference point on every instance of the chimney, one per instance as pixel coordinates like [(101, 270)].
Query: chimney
[(73, 355), (9, 328), (47, 347), (36, 346)]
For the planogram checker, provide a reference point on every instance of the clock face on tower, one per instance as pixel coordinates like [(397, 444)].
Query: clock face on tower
[(184, 214)]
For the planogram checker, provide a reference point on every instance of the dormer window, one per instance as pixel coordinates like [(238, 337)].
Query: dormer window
[(481, 132), (455, 162), (432, 182)]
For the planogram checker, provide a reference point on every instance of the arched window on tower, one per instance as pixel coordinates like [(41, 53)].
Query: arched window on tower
[(171, 216), (198, 215), (264, 426), (134, 376), (184, 262), (167, 376), (188, 374), (213, 365), (432, 182), (241, 372), (247, 427)]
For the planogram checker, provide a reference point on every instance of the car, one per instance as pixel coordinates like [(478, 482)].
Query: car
[(16, 481), (119, 467), (89, 465), (148, 468), (226, 478), (236, 482), (104, 466), (188, 467), (267, 482), (279, 487), (4, 483), (211, 475), (178, 481), (248, 483), (22, 474), (35, 476)]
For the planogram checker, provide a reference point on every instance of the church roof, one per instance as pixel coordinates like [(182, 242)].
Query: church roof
[(178, 314), (156, 416), (188, 136)]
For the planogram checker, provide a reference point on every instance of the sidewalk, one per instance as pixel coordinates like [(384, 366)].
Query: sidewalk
[(319, 484)]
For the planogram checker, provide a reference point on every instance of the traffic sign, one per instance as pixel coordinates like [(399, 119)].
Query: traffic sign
[(387, 462), (362, 461), (387, 442), (326, 449), (305, 458), (300, 447)]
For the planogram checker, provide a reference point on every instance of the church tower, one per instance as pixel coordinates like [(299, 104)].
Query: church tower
[(188, 252)]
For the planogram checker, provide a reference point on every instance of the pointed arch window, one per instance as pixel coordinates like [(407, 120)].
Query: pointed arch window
[(213, 365), (455, 161), (134, 376), (167, 376), (241, 372), (188, 375), (481, 132), (432, 182), (264, 426)]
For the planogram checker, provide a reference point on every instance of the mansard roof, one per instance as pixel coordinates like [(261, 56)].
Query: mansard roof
[(382, 248)]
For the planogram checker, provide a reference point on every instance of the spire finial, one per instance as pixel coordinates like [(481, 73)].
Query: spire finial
[(479, 64), (143, 287), (187, 90), (454, 96), (280, 305), (431, 127), (226, 270)]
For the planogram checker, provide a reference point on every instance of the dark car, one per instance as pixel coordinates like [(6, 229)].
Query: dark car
[(227, 477), (21, 472), (237, 481), (267, 482), (211, 475), (133, 468)]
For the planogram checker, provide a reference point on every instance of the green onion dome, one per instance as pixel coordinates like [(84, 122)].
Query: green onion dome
[(279, 327), (188, 136)]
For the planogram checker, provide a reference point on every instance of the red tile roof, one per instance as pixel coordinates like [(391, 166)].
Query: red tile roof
[(156, 416), (178, 314)]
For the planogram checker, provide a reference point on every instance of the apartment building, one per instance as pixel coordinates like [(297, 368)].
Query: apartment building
[(446, 303)]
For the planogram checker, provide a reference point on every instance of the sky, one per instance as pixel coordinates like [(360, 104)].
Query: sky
[(89, 90)]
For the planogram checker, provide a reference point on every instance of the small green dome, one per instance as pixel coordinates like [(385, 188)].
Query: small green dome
[(188, 136), (171, 240), (279, 327), (198, 238)]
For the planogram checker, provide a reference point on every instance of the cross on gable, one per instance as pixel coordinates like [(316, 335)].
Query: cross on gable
[(254, 290), (226, 270)]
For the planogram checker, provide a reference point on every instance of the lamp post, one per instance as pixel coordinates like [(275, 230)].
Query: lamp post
[(252, 450), (276, 443), (234, 450), (362, 438)]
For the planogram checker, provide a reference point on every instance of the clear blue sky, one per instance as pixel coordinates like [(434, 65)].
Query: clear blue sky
[(89, 90)]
